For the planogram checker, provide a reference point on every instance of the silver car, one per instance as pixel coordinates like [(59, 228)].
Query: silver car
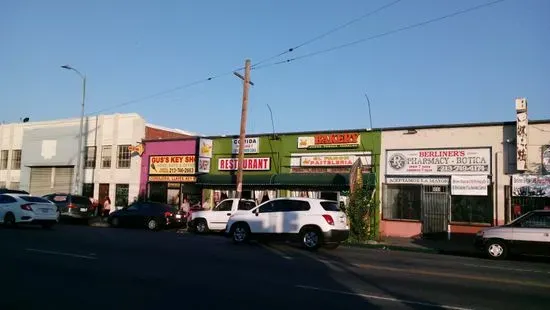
[(527, 235)]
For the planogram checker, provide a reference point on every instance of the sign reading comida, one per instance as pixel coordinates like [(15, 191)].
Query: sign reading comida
[(469, 185), (251, 146), (439, 161), (249, 164), (172, 165), (330, 141)]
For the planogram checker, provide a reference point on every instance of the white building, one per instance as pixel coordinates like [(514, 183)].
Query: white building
[(40, 157)]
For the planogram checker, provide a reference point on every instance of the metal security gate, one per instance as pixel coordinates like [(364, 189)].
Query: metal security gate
[(41, 181), (435, 209), (63, 179)]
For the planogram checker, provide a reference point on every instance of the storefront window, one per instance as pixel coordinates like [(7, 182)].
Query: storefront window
[(88, 190), (402, 202), (472, 209), (121, 195)]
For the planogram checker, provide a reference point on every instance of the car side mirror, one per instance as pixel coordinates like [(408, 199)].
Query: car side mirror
[(257, 211)]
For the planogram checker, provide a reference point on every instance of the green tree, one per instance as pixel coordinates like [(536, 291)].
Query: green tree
[(362, 215)]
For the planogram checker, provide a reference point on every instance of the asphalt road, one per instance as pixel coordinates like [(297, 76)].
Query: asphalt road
[(79, 267)]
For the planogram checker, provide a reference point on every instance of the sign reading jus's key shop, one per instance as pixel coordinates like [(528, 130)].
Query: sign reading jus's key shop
[(449, 161)]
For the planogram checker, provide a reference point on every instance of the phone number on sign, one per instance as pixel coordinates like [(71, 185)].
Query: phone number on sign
[(463, 168), (176, 171)]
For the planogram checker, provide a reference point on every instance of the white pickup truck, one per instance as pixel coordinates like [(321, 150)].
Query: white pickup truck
[(203, 221)]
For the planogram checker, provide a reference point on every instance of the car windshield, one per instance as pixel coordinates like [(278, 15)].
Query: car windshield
[(34, 199), (80, 200), (330, 205)]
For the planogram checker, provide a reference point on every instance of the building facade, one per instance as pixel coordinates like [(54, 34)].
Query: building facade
[(450, 179), (41, 157)]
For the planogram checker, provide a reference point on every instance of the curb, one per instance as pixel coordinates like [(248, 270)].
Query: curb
[(383, 246), (98, 224)]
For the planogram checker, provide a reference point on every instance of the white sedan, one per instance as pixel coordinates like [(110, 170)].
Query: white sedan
[(25, 209)]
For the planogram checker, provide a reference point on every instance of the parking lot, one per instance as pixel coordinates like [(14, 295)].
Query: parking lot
[(121, 268)]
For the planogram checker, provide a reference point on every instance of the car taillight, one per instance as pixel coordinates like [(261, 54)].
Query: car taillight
[(71, 206), (27, 207), (167, 214), (329, 219)]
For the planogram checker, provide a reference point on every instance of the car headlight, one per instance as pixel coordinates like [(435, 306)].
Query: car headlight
[(480, 233)]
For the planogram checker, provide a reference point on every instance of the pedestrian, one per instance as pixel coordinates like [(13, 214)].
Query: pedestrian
[(265, 197), (185, 205), (106, 207)]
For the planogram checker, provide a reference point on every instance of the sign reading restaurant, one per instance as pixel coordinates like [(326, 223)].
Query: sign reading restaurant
[(172, 165), (249, 164), (330, 141), (451, 161)]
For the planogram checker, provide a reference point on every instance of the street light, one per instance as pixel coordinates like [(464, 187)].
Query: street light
[(77, 183)]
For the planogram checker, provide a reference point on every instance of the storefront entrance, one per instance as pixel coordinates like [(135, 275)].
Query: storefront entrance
[(435, 209)]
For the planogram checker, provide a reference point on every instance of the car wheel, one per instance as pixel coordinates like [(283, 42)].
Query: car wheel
[(241, 233), (201, 227), (311, 239), (496, 249), (331, 246), (152, 224), (115, 222), (9, 220)]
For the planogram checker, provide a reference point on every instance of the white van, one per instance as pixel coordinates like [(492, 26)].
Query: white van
[(528, 234)]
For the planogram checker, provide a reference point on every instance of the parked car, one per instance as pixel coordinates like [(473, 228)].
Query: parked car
[(527, 235), (216, 219), (12, 191), (313, 222), (25, 209), (72, 206), (152, 215)]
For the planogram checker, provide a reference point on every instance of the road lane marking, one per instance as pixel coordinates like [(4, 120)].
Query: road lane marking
[(61, 253), (505, 268), (275, 251), (378, 297), (454, 275)]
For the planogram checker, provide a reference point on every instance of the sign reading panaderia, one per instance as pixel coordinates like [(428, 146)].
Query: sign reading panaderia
[(452, 161), (172, 165)]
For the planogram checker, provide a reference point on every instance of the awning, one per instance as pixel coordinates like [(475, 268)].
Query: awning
[(285, 180)]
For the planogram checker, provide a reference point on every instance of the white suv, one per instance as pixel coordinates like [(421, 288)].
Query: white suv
[(314, 222)]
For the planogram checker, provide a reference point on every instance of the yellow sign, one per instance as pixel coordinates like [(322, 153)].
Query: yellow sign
[(139, 149), (172, 165), (205, 148), (172, 178)]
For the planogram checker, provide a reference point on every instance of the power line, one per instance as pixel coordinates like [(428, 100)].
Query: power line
[(409, 27), (355, 20), (164, 92)]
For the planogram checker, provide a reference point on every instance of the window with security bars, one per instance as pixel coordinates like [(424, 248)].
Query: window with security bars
[(4, 159), (88, 190), (106, 153), (402, 202), (123, 156), (121, 195), (472, 209), (89, 157), (16, 159)]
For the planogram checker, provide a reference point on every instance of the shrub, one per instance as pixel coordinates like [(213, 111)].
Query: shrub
[(362, 215)]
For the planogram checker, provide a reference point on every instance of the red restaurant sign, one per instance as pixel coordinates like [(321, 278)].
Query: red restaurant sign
[(249, 164)]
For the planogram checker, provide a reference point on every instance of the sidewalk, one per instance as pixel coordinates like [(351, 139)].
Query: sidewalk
[(457, 245), (98, 222)]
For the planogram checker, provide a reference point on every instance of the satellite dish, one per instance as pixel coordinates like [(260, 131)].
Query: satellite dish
[(26, 119)]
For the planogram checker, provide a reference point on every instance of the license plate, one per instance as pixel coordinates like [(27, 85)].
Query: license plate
[(83, 209), (45, 210), (178, 216)]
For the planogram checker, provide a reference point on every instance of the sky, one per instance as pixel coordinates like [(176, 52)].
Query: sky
[(141, 56)]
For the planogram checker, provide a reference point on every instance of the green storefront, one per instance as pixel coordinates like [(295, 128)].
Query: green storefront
[(312, 164)]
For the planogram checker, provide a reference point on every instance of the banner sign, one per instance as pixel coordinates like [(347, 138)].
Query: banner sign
[(139, 149), (417, 180), (469, 185), (319, 170), (204, 165), (521, 134), (172, 178), (205, 148), (251, 146), (330, 141), (531, 185), (172, 164), (249, 164), (439, 162), (329, 159), (545, 160)]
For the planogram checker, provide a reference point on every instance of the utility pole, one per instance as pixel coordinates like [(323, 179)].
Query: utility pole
[(244, 112)]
